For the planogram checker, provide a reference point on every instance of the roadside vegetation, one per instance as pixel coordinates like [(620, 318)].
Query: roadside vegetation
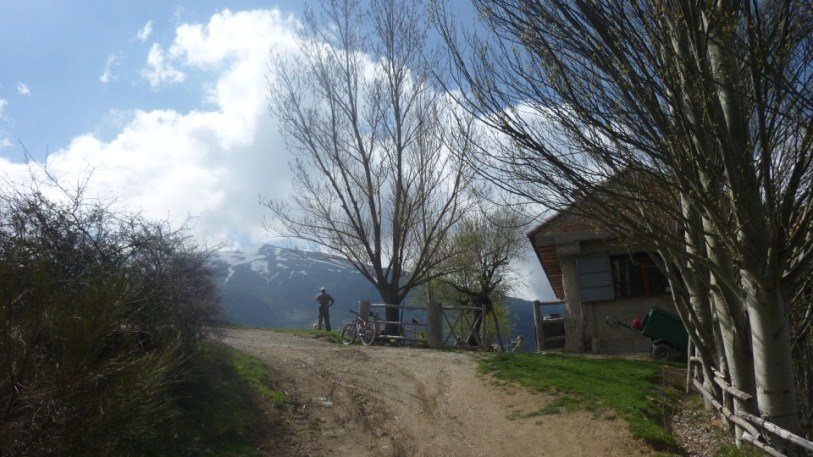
[(333, 336), (106, 346), (634, 390), (225, 409)]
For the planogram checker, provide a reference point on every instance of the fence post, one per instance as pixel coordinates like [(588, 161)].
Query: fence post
[(689, 354), (364, 308), (728, 400), (483, 330), (434, 325), (539, 331)]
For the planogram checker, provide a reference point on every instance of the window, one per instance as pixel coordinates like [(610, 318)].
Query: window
[(595, 278), (636, 276)]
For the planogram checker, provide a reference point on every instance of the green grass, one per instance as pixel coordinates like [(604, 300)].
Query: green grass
[(333, 336), (633, 390), (221, 414), (255, 373), (745, 450)]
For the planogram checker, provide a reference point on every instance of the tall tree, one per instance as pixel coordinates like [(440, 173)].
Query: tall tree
[(686, 125), (373, 179)]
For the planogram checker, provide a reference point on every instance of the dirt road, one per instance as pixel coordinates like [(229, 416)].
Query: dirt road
[(391, 401)]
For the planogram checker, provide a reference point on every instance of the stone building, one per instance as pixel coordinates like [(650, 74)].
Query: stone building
[(596, 278)]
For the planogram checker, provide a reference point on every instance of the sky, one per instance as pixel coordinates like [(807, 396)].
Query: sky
[(163, 104)]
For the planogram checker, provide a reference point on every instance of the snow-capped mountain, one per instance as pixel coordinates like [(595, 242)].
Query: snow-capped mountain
[(275, 287)]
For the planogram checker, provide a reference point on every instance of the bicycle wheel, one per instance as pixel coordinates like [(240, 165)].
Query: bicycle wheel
[(349, 333), (368, 333)]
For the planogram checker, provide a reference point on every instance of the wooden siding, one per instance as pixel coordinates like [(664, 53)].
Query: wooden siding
[(550, 263)]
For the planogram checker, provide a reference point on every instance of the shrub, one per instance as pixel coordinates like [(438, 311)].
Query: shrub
[(99, 311)]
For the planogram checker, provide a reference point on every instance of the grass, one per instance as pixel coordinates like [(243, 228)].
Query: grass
[(745, 450), (334, 336), (632, 390), (222, 413), (255, 373)]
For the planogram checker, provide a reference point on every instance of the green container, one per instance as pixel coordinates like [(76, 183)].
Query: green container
[(662, 326)]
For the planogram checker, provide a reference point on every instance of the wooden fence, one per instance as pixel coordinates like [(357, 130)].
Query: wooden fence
[(549, 333), (754, 429), (439, 326)]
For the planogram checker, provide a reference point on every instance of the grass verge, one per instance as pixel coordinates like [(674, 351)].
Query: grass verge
[(334, 336), (222, 413), (634, 390)]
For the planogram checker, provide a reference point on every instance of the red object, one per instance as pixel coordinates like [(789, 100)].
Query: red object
[(636, 323)]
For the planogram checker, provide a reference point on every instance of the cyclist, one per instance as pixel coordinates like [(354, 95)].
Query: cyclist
[(325, 302)]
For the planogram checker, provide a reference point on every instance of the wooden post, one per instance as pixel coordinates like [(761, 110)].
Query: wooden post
[(434, 325), (483, 330), (728, 401), (364, 308), (539, 332), (689, 354)]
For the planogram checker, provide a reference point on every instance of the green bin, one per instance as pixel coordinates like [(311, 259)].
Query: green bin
[(662, 328)]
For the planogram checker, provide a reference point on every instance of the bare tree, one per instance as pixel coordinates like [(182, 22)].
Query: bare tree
[(686, 125), (373, 179)]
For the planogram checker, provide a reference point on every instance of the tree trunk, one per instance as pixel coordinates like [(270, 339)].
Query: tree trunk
[(390, 297), (770, 336), (732, 322)]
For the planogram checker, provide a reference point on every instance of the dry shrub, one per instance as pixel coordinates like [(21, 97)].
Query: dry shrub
[(99, 311)]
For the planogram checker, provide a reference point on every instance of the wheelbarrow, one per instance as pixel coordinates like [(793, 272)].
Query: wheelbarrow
[(665, 330)]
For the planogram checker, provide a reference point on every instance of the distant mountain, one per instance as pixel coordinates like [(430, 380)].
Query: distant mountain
[(275, 287)]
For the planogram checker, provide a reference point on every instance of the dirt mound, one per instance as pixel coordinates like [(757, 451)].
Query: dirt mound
[(386, 401)]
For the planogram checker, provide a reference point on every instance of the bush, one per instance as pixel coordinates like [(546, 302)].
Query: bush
[(99, 311)]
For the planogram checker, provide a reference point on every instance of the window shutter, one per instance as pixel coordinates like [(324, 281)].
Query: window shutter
[(595, 278)]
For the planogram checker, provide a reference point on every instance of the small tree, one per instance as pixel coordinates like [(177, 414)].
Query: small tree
[(484, 245)]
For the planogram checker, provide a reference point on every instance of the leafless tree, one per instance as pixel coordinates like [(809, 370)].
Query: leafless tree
[(373, 177), (683, 124)]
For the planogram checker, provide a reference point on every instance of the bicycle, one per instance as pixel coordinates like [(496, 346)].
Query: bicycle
[(366, 329)]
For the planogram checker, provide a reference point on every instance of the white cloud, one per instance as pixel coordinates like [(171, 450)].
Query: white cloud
[(5, 142), (3, 104), (22, 88), (210, 163), (160, 71), (107, 74), (145, 32)]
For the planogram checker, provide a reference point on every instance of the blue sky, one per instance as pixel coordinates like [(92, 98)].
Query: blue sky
[(59, 50), (165, 102)]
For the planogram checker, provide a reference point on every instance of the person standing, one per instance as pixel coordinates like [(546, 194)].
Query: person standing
[(325, 302)]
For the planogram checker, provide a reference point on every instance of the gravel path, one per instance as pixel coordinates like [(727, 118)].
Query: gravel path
[(392, 401)]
